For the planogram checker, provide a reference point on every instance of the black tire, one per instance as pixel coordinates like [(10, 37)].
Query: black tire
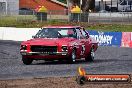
[(72, 58), (81, 80), (60, 61), (90, 56), (27, 61)]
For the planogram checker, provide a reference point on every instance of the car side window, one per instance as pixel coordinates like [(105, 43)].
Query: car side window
[(79, 34), (84, 33), (87, 34)]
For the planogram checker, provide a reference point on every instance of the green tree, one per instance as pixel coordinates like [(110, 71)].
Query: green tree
[(86, 4)]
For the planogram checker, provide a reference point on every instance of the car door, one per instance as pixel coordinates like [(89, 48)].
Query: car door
[(86, 42), (81, 43)]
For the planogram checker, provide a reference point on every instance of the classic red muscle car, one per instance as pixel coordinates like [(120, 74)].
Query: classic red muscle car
[(68, 43)]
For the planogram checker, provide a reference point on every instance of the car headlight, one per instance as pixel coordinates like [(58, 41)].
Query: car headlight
[(23, 47), (64, 48)]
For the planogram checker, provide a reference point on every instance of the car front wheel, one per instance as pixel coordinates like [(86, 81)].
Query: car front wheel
[(27, 61), (72, 58)]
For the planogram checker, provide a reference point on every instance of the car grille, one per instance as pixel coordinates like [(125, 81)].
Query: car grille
[(46, 49)]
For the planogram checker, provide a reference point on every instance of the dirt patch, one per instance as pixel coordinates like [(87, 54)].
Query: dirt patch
[(54, 82)]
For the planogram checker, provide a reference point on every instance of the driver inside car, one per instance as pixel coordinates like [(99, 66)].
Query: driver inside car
[(71, 33)]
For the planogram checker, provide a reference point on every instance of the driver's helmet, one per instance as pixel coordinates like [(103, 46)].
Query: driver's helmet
[(70, 33)]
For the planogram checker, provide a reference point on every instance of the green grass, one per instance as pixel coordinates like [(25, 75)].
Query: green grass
[(15, 21), (111, 27), (30, 22)]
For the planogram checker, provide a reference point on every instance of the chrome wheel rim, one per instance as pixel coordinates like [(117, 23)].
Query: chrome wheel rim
[(92, 53), (73, 56)]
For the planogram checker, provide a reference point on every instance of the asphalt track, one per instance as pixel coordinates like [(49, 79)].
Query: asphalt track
[(107, 60)]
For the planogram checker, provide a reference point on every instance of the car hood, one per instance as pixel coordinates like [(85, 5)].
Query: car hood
[(48, 41)]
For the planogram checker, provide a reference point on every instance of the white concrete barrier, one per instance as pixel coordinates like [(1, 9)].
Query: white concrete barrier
[(1, 33), (17, 34)]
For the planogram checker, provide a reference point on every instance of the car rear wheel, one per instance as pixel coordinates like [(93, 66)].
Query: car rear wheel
[(91, 55), (72, 58), (27, 61)]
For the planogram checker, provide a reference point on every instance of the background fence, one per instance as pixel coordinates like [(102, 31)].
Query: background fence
[(100, 17)]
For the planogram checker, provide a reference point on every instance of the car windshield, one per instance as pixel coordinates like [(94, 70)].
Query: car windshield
[(56, 33)]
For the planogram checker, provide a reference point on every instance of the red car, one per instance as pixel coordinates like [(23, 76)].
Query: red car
[(68, 43)]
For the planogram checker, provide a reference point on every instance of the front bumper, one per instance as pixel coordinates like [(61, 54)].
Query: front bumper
[(44, 53)]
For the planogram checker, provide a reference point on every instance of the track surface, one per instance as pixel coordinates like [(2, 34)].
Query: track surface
[(108, 60)]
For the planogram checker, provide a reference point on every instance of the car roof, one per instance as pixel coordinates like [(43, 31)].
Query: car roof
[(61, 26)]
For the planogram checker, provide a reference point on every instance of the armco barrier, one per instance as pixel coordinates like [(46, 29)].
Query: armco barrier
[(17, 34), (126, 39), (107, 38), (121, 39), (131, 40)]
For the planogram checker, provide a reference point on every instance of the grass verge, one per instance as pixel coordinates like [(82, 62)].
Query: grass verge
[(30, 22)]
